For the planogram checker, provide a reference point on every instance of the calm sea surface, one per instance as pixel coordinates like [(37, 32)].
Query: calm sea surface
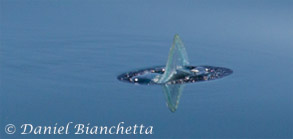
[(59, 61)]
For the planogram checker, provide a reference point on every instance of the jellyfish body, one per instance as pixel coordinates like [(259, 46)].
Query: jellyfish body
[(174, 74), (176, 71)]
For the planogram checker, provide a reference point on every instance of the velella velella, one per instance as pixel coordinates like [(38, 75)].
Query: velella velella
[(177, 72)]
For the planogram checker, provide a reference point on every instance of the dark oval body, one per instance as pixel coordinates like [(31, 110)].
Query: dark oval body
[(191, 74)]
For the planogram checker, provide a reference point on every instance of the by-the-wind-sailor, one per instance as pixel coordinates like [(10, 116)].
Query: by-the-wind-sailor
[(177, 70), (173, 76)]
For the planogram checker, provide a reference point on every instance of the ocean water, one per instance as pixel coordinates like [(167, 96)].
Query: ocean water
[(59, 62)]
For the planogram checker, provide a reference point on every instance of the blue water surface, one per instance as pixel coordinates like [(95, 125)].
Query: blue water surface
[(59, 61)]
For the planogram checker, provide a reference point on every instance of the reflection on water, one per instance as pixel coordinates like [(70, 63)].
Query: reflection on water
[(172, 94)]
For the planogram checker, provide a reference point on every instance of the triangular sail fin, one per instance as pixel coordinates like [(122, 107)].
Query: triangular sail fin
[(177, 59)]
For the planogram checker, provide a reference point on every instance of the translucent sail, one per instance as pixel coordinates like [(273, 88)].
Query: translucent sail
[(172, 95), (177, 59)]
